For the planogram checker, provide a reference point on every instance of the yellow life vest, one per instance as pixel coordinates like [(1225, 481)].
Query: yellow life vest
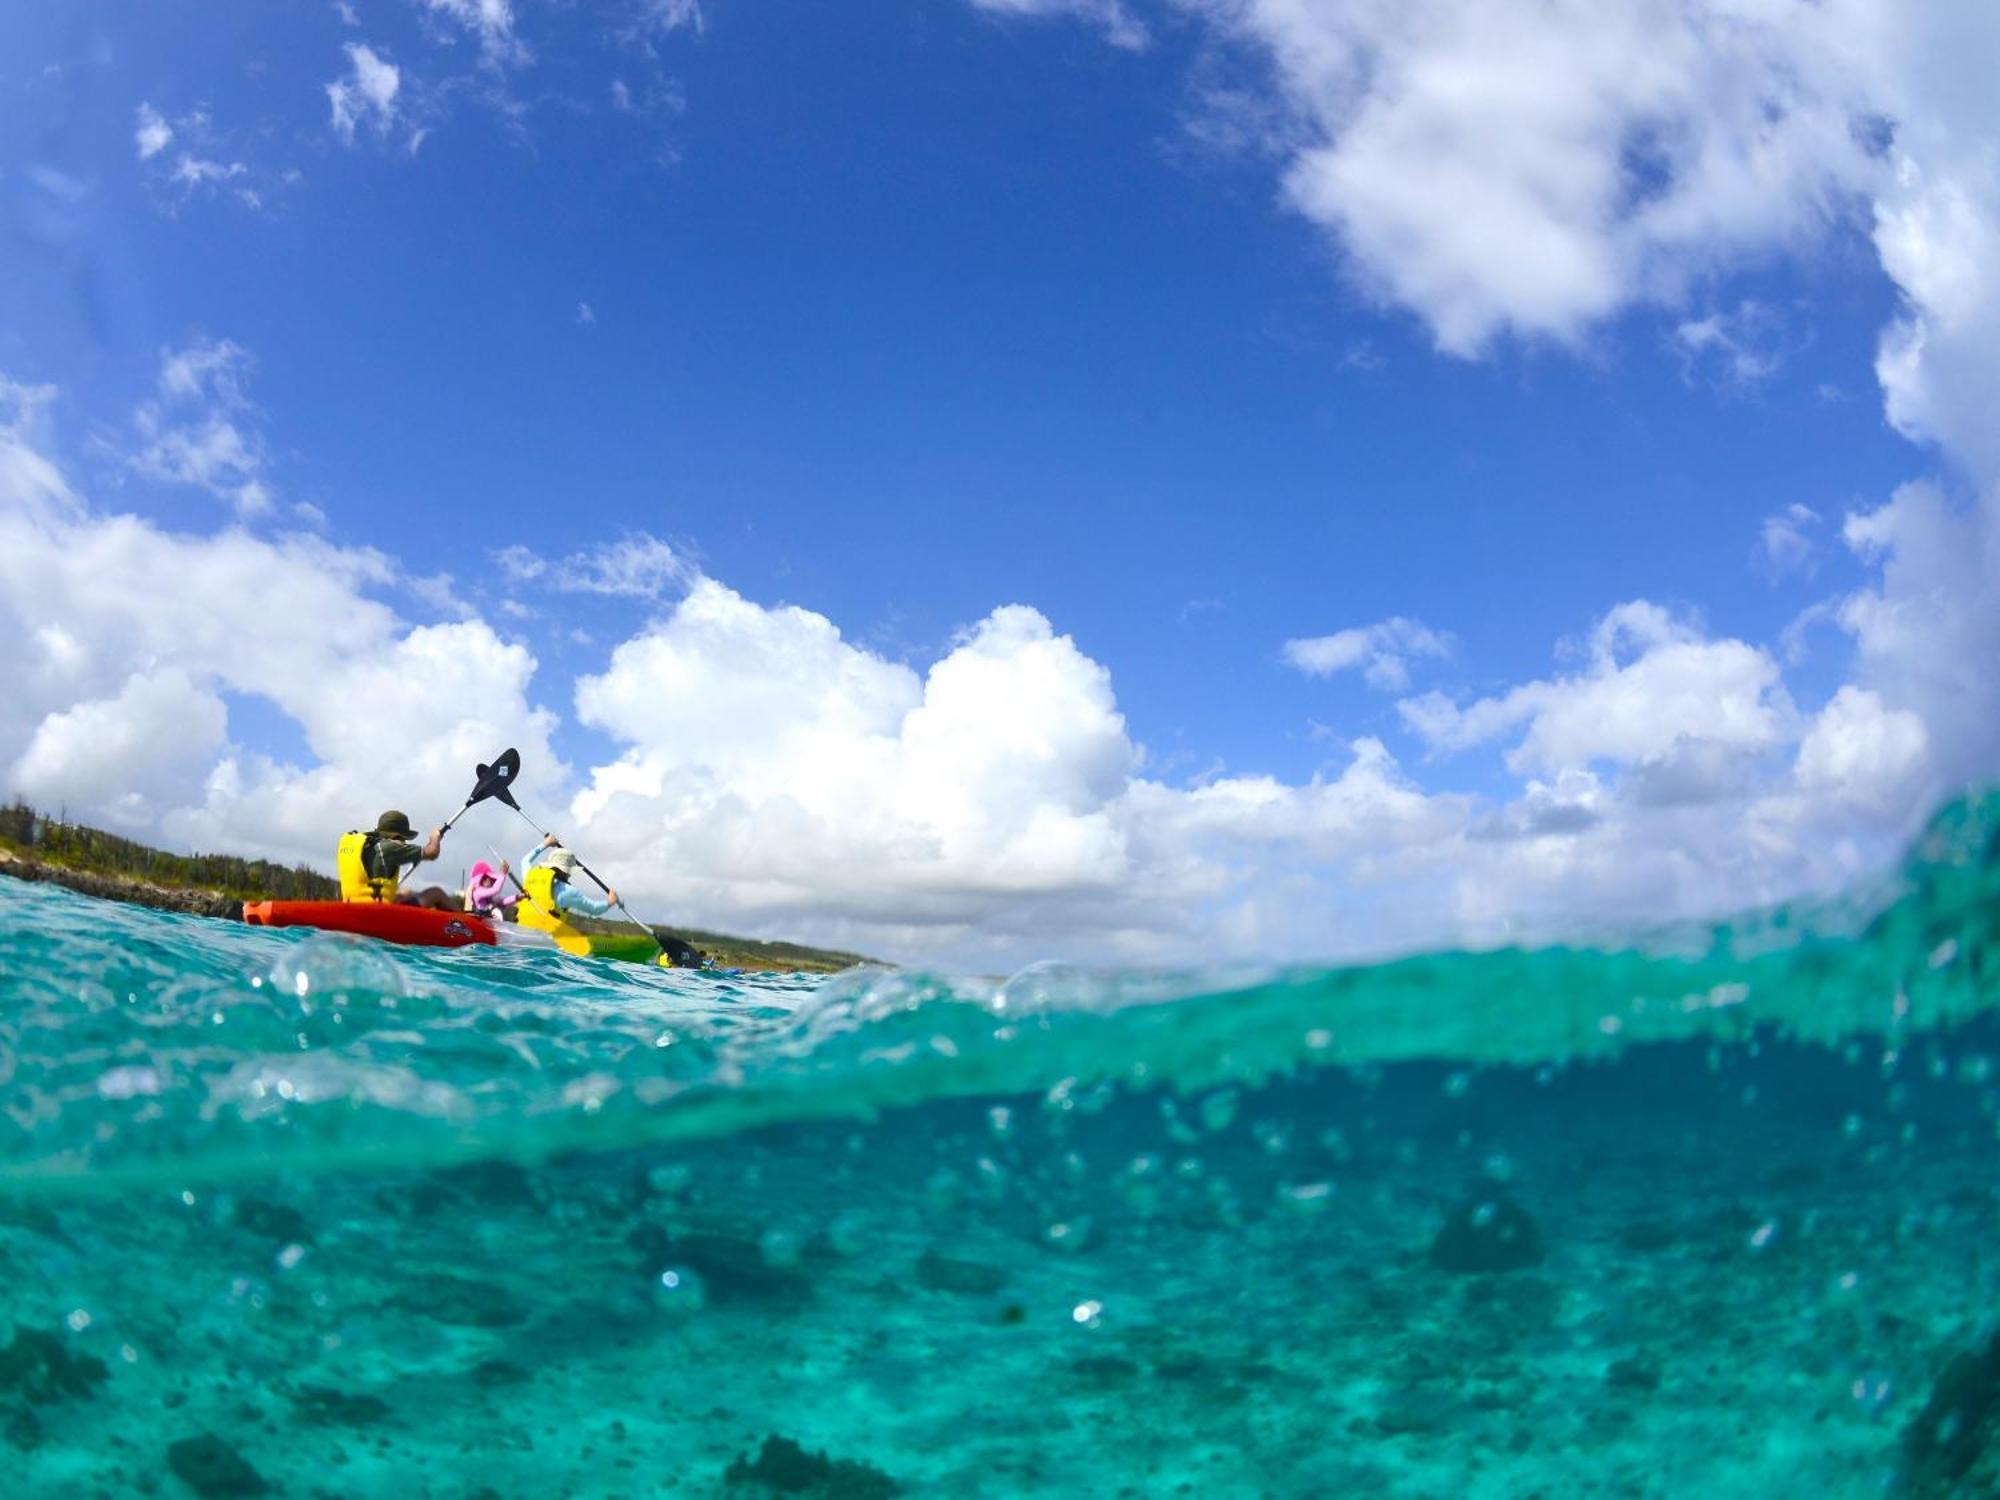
[(350, 861), (540, 909)]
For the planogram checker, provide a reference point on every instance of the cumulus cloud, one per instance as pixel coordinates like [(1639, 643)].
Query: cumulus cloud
[(1860, 753), (366, 96), (201, 428), (996, 799), (1533, 171), (132, 638), (1927, 634), (1655, 692), (1382, 651)]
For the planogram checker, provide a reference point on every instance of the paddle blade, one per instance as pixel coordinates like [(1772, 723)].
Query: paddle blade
[(495, 779)]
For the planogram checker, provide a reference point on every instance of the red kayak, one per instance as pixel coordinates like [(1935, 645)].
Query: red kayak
[(377, 919)]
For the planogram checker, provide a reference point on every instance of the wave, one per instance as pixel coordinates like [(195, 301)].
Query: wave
[(143, 1048)]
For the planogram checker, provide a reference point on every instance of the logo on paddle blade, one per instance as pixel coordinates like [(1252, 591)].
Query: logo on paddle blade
[(457, 930)]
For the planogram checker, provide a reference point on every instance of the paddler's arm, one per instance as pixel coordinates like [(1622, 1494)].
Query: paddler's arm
[(569, 898)]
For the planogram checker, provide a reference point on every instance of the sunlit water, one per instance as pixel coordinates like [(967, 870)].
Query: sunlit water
[(294, 1214)]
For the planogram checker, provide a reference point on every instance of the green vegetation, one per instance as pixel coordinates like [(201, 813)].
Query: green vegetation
[(752, 953), (75, 846)]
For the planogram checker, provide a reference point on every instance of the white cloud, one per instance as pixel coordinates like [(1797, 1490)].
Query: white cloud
[(201, 429), (1655, 693), (1927, 634), (1120, 27), (1860, 754), (367, 95), (129, 751), (206, 163), (152, 134), (491, 21), (993, 803), (1785, 543), (584, 314), (1383, 651), (130, 637), (1497, 170), (638, 566), (1739, 348)]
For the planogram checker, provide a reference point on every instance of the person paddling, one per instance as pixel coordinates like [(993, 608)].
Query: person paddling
[(545, 876), (370, 863)]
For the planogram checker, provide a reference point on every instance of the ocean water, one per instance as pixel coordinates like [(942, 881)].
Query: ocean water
[(1706, 1213)]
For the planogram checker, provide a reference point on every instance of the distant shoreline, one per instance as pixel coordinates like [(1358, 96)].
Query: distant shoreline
[(29, 864)]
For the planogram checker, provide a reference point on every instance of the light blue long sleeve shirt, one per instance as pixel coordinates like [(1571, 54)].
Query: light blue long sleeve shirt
[(568, 897)]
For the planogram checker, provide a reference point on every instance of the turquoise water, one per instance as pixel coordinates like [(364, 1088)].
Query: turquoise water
[(1709, 1214)]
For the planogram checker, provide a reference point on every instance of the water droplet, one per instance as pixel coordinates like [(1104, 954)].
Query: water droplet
[(679, 1292)]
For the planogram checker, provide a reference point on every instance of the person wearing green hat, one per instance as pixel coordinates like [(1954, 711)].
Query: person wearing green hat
[(370, 862)]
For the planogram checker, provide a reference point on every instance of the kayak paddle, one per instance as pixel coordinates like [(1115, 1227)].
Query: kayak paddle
[(492, 781)]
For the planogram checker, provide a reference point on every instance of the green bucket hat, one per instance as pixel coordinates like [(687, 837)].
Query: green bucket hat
[(395, 823)]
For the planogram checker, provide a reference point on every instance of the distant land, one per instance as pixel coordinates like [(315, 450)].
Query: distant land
[(35, 846)]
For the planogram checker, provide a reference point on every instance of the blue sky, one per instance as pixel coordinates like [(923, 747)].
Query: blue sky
[(904, 313)]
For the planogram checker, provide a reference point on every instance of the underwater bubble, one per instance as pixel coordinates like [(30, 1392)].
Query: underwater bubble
[(1873, 1392), (847, 1234), (1070, 1234), (1764, 1235), (781, 1249), (1306, 1197), (679, 1291), (1000, 1120), (1139, 1186), (130, 1082), (944, 1188), (1457, 1084), (1274, 1137), (1218, 1110), (1041, 987), (1087, 1314), (670, 1178), (329, 968)]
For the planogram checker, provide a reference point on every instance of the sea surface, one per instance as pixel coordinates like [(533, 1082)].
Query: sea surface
[(1706, 1213)]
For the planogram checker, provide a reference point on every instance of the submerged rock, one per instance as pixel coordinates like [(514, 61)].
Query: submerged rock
[(946, 1273), (38, 1368), (323, 1406), (1486, 1234), (783, 1467), (732, 1268), (460, 1301), (1948, 1448), (214, 1470), (274, 1220)]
